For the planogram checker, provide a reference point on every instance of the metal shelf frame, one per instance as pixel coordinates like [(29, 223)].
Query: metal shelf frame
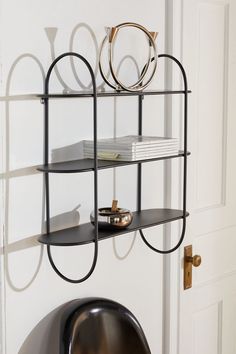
[(86, 233)]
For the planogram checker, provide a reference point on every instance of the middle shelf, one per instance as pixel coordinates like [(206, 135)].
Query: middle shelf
[(85, 233), (84, 165)]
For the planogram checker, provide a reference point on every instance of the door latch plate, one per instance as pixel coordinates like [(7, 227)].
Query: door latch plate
[(187, 267)]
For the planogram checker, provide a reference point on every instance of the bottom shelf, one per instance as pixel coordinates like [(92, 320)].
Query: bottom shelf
[(84, 233)]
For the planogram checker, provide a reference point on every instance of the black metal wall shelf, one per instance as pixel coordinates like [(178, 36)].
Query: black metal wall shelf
[(142, 219), (85, 165), (84, 233)]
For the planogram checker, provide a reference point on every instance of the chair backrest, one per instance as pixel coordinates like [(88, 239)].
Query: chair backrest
[(101, 326)]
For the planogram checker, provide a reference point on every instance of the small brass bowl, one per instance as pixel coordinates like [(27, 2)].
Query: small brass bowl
[(108, 219)]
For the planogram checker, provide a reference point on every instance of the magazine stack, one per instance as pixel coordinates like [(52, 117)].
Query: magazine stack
[(132, 148)]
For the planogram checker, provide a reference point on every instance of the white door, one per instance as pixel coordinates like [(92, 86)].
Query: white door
[(207, 311)]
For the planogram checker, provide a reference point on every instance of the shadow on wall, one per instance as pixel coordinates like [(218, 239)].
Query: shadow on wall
[(70, 218), (11, 174)]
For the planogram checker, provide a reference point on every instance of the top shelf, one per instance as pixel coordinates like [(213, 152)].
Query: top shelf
[(89, 93)]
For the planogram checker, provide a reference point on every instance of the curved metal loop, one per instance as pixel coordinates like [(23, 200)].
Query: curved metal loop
[(185, 162), (46, 153), (180, 66), (105, 78), (118, 88), (100, 65), (138, 85), (66, 55), (171, 249), (69, 280)]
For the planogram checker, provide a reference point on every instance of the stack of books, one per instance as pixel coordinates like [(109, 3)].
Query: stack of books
[(132, 148)]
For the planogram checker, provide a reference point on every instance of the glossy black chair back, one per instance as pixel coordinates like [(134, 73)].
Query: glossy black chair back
[(101, 326)]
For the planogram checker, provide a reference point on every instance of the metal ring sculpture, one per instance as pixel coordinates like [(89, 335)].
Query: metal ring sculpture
[(152, 57)]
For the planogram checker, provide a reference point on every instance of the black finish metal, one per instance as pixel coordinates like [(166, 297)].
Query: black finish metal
[(102, 326), (95, 163), (86, 165), (47, 200), (87, 233), (185, 163), (84, 233), (81, 94), (139, 176)]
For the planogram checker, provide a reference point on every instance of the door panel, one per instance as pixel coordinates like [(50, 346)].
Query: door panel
[(207, 310), (211, 70), (206, 327)]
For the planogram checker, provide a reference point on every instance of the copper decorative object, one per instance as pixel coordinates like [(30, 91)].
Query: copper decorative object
[(113, 217), (143, 81)]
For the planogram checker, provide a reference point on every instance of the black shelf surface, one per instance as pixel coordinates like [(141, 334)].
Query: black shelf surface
[(84, 233), (84, 165), (75, 94)]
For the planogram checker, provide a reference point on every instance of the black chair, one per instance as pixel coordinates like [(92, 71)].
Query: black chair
[(100, 326)]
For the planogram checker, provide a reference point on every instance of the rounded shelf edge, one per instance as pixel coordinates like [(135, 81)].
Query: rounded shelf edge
[(84, 234), (86, 165)]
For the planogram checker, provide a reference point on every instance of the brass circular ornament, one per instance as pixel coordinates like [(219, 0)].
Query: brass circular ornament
[(140, 84)]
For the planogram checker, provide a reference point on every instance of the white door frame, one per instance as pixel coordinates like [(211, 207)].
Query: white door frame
[(174, 119)]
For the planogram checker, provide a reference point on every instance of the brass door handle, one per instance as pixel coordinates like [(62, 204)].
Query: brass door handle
[(195, 260), (189, 261)]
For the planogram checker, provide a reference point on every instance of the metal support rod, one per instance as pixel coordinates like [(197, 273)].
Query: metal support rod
[(139, 167), (185, 150), (47, 196), (46, 153)]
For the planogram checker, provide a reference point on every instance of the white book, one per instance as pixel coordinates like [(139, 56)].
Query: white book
[(132, 142), (127, 151), (123, 148), (130, 157)]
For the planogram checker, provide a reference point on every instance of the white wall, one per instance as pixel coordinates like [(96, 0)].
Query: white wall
[(30, 288)]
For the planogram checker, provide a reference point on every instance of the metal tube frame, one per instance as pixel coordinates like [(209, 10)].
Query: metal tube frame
[(46, 160), (184, 157), (95, 168)]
